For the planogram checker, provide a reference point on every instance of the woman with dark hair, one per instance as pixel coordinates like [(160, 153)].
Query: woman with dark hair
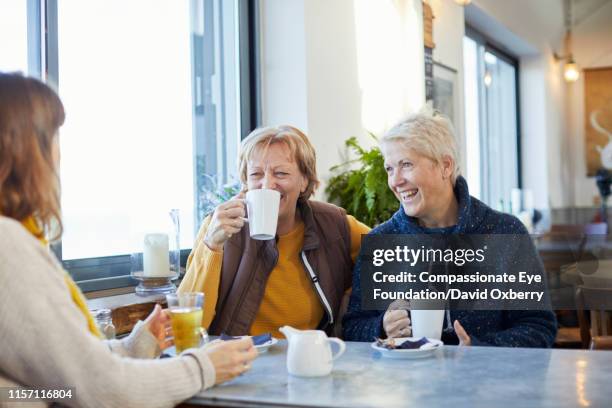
[(50, 339)]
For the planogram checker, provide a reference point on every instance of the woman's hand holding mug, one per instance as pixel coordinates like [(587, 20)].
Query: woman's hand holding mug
[(160, 326), (396, 322), (227, 220)]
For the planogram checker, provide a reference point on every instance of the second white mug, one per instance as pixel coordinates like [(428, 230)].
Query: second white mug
[(427, 323)]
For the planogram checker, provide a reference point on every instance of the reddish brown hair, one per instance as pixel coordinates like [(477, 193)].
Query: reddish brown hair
[(30, 116)]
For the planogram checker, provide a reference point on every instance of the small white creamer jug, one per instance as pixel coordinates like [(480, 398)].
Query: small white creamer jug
[(309, 353)]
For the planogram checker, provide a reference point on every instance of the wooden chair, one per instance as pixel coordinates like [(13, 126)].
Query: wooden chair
[(566, 229), (583, 234), (596, 228), (599, 302), (601, 343)]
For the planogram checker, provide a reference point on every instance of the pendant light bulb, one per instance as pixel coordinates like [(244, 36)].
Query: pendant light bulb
[(571, 72)]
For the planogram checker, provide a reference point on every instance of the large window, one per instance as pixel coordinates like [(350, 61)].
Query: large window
[(126, 146), (492, 132), (152, 93), (13, 36)]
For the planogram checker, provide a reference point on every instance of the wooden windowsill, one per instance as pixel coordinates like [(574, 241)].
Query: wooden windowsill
[(123, 300), (109, 292), (127, 308)]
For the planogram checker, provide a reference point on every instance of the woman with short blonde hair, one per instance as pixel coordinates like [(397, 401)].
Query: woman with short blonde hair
[(429, 134), (297, 279), (421, 159)]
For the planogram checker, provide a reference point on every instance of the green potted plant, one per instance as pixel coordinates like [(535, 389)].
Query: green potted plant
[(363, 191)]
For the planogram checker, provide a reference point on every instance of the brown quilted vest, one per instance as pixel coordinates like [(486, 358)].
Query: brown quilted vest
[(247, 263)]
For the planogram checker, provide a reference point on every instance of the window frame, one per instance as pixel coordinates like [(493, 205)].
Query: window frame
[(487, 45), (109, 272)]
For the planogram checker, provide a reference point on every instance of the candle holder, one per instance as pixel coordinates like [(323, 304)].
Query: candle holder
[(159, 262)]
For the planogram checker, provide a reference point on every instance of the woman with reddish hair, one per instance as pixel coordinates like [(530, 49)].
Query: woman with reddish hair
[(49, 336)]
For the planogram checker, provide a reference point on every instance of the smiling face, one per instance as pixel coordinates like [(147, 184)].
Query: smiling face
[(275, 168), (421, 185)]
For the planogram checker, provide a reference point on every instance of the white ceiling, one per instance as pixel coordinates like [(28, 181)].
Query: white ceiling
[(592, 33), (583, 9)]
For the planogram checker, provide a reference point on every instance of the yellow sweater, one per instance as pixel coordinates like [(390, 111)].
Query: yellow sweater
[(289, 298)]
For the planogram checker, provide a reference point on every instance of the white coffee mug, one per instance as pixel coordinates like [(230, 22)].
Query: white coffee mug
[(262, 209), (427, 323)]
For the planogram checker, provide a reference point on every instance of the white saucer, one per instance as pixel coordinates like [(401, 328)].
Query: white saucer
[(424, 351), (263, 348)]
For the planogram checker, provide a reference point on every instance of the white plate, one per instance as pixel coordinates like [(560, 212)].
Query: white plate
[(424, 351)]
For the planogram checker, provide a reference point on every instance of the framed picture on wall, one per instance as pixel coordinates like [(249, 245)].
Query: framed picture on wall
[(445, 90), (598, 118)]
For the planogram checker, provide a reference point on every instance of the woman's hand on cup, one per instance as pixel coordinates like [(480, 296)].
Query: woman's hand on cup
[(396, 322), (464, 338), (227, 220), (231, 358), (160, 327)]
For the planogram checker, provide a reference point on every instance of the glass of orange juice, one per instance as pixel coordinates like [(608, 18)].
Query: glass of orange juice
[(186, 316)]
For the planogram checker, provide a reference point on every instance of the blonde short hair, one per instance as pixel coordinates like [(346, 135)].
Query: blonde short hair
[(298, 144), (429, 134)]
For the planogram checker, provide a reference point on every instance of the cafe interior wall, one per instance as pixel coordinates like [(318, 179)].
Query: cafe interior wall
[(532, 31), (340, 68), (528, 30), (448, 33), (592, 48), (327, 67), (552, 114)]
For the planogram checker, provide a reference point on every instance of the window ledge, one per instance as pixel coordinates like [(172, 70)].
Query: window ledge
[(127, 309), (123, 300)]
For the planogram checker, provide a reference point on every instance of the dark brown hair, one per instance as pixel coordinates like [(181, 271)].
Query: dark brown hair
[(30, 116)]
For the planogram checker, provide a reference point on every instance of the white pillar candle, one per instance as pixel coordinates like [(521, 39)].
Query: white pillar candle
[(155, 255)]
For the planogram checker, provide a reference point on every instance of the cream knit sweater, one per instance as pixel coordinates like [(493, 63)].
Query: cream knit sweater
[(45, 342)]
